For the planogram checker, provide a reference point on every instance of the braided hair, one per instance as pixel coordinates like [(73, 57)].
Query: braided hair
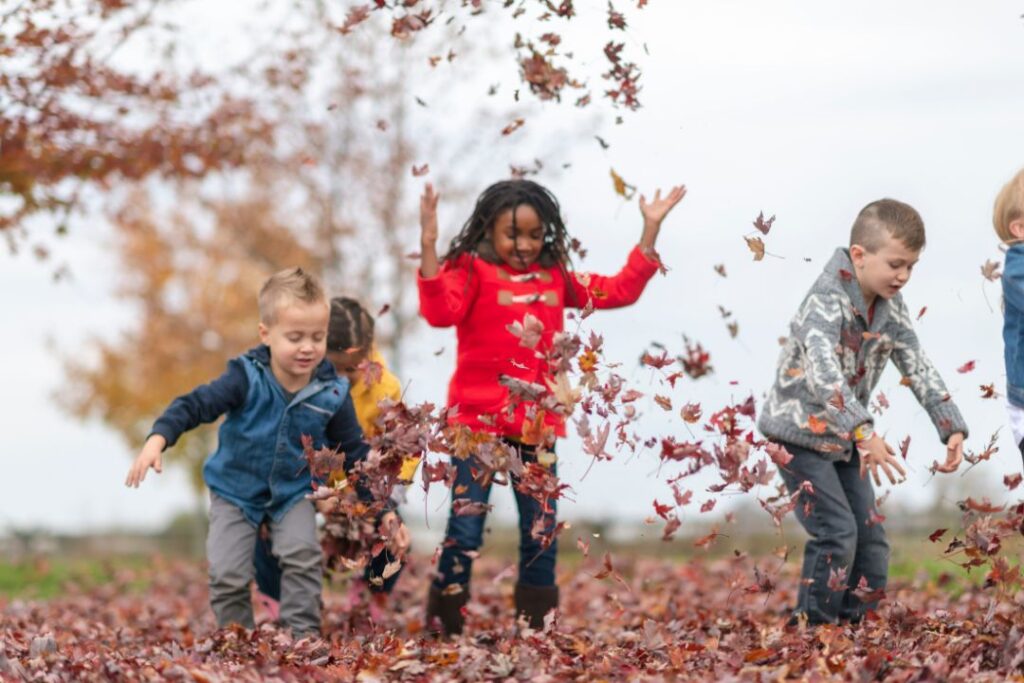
[(508, 195), (350, 327)]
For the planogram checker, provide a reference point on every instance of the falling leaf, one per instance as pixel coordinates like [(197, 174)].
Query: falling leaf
[(936, 535), (691, 413), (513, 127), (756, 245), (989, 391), (966, 367), (816, 424), (763, 225), (418, 171), (622, 188), (921, 314), (990, 271), (529, 331), (720, 269)]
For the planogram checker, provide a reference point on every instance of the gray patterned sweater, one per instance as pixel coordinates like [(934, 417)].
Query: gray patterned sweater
[(833, 359)]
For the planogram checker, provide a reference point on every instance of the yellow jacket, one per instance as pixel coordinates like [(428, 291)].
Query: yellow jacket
[(365, 398)]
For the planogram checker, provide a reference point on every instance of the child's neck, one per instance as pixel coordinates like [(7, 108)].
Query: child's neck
[(293, 384)]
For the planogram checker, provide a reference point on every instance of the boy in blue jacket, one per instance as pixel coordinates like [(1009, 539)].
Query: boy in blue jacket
[(1008, 220), (273, 395)]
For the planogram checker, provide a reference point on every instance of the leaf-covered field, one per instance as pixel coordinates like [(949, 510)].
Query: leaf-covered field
[(647, 619)]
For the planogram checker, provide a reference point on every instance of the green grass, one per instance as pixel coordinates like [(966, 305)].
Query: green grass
[(43, 578)]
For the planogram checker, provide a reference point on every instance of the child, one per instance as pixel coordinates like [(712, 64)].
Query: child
[(1008, 219), (511, 259), (847, 328), (349, 344), (273, 395)]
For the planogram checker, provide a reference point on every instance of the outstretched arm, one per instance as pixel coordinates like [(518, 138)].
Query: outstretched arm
[(655, 212), (200, 406)]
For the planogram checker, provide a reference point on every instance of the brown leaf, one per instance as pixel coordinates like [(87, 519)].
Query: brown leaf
[(756, 246)]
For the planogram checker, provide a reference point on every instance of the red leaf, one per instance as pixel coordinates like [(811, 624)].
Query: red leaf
[(966, 367)]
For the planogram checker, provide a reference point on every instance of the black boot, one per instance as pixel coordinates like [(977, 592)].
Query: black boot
[(535, 602), (446, 609)]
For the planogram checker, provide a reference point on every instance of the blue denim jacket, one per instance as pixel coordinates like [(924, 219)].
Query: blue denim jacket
[(259, 463), (1013, 324)]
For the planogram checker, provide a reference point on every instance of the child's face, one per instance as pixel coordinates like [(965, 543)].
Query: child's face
[(297, 339), (347, 362), (518, 246), (884, 272)]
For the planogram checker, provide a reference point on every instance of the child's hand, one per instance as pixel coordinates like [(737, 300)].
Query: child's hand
[(655, 211), (399, 539), (954, 454), (428, 231), (150, 456), (875, 453)]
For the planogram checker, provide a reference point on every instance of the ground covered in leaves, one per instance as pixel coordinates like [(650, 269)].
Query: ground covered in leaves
[(645, 619)]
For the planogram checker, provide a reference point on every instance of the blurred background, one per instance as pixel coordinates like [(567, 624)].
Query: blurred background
[(160, 159)]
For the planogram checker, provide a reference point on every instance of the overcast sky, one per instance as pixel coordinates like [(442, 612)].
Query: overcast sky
[(803, 110)]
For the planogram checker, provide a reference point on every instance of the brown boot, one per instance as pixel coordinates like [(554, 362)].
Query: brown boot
[(446, 609), (535, 602)]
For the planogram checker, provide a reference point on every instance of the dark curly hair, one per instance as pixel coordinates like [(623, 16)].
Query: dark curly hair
[(508, 195)]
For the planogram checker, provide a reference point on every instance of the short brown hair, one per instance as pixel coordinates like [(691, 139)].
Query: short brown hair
[(1009, 207), (888, 217), (295, 284)]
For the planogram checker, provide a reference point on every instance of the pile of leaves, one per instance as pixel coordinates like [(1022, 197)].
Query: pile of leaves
[(645, 619)]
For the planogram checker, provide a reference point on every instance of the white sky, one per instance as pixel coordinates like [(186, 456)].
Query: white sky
[(803, 110)]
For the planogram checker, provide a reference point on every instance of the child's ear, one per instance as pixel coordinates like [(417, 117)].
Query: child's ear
[(264, 334), (1017, 229), (857, 255)]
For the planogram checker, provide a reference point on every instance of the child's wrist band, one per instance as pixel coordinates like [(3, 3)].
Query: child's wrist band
[(863, 432)]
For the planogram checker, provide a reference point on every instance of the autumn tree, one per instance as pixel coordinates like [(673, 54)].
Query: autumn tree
[(73, 122), (334, 193)]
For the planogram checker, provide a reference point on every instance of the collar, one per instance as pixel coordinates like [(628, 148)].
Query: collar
[(840, 267)]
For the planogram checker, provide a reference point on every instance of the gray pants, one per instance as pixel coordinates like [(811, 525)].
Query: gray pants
[(295, 546), (837, 517)]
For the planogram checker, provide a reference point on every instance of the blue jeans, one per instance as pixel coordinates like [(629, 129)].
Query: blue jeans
[(465, 533), (842, 536)]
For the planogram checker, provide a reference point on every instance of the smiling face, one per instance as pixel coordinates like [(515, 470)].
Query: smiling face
[(297, 339), (885, 271), (519, 242)]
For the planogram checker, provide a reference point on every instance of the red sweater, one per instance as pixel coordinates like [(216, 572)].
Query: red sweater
[(481, 299)]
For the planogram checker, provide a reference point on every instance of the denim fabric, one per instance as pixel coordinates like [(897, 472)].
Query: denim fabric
[(465, 533), (1013, 323), (842, 537), (259, 464)]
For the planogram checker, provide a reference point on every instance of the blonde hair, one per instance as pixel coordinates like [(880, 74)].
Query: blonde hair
[(293, 284), (1009, 207), (888, 217)]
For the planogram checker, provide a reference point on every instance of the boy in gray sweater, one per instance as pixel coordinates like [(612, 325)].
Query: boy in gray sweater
[(852, 321)]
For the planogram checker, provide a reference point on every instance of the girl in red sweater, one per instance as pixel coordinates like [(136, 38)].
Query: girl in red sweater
[(509, 269)]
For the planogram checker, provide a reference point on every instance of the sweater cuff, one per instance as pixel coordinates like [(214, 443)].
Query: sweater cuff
[(852, 416), (170, 435), (947, 420), (645, 263)]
